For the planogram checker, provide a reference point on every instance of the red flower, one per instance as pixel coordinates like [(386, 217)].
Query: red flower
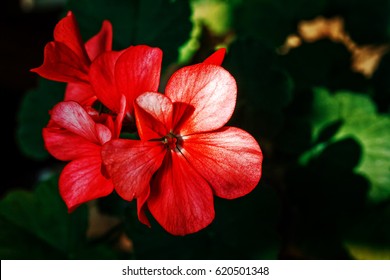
[(67, 58), (130, 72), (185, 155), (75, 135)]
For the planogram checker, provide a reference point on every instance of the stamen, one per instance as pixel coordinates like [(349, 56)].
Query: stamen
[(170, 141)]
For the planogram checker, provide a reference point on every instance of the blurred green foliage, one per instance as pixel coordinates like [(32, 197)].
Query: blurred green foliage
[(324, 129), (37, 225)]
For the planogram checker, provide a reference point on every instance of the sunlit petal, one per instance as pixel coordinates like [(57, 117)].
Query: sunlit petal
[(210, 89), (71, 116), (153, 115), (229, 159)]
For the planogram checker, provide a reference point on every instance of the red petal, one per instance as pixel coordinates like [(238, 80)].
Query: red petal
[(131, 164), (180, 199), (210, 89), (68, 33), (82, 93), (119, 117), (181, 113), (101, 42), (216, 58), (71, 116), (103, 133), (66, 146), (62, 64), (141, 207), (82, 180), (230, 159), (101, 76), (137, 71), (153, 115)]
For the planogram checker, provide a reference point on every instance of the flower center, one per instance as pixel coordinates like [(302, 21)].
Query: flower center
[(170, 141)]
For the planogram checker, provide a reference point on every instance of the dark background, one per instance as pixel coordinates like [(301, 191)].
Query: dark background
[(23, 37)]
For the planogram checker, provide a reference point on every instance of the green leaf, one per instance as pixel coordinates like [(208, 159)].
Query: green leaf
[(37, 225), (18, 244), (33, 115), (368, 252), (163, 23), (212, 22), (41, 216), (361, 122), (215, 14), (345, 166), (329, 131)]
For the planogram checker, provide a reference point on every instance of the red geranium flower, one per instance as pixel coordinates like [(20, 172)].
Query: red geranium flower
[(186, 154), (128, 73), (77, 135), (67, 58)]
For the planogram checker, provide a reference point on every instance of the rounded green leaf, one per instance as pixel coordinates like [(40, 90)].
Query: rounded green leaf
[(361, 122), (42, 214), (33, 115)]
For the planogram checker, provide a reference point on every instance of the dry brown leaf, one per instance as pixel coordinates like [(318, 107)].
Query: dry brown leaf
[(365, 59)]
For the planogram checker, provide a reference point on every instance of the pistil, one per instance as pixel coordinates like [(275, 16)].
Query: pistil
[(170, 141)]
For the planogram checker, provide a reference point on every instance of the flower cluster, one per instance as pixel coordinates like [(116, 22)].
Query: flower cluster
[(184, 154)]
